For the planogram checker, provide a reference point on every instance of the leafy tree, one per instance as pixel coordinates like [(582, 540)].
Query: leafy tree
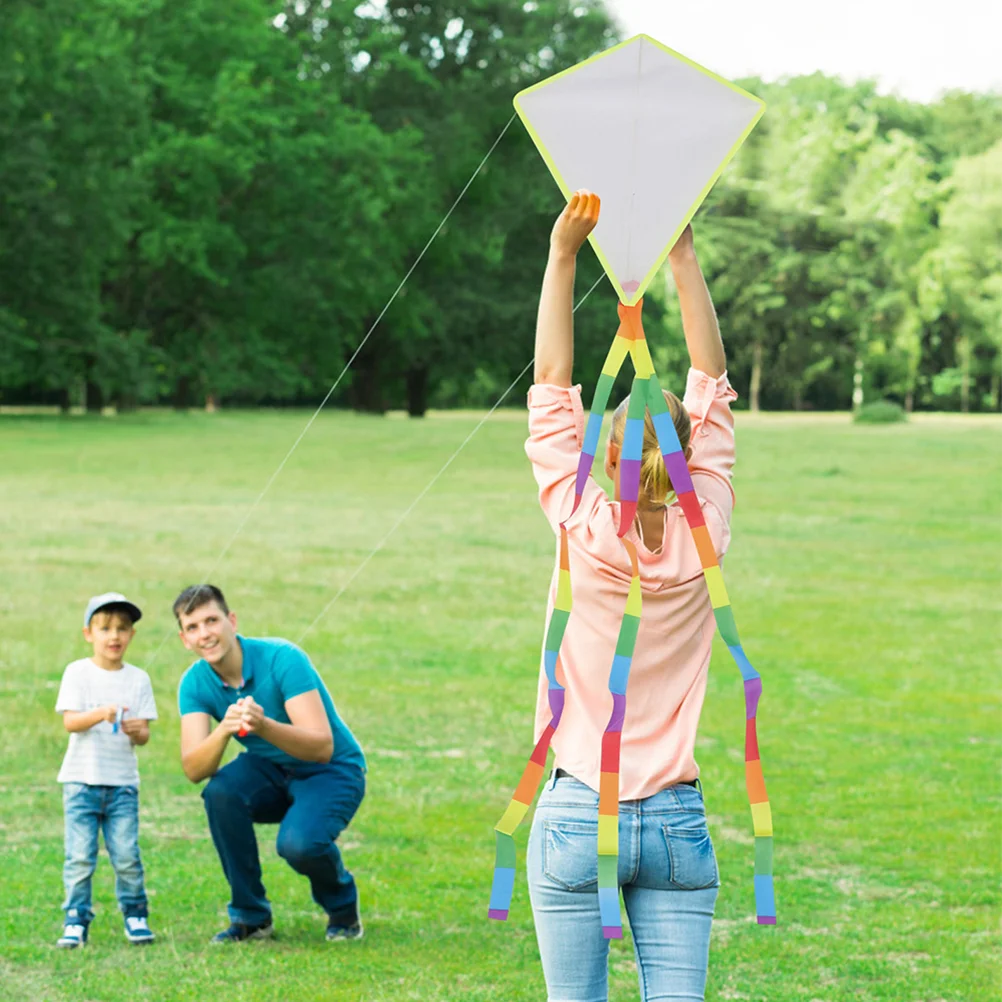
[(72, 120), (451, 71)]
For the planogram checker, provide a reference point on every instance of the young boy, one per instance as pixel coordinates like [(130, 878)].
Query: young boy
[(107, 705)]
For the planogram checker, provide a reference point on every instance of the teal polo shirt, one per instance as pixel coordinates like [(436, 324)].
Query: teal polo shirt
[(275, 671)]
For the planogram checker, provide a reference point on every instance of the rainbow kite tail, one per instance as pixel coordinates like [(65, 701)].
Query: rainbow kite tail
[(503, 884), (593, 429), (678, 472), (608, 795), (765, 896)]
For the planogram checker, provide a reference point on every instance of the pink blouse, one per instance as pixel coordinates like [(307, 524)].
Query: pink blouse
[(664, 696)]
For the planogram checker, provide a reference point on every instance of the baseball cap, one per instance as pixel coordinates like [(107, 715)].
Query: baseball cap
[(99, 602)]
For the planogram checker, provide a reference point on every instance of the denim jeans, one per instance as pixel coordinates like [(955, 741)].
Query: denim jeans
[(312, 803), (115, 810), (669, 880)]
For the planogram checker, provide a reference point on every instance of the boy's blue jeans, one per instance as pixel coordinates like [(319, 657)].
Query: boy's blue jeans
[(115, 810), (312, 802), (669, 881)]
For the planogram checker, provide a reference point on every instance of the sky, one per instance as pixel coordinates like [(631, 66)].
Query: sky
[(914, 48)]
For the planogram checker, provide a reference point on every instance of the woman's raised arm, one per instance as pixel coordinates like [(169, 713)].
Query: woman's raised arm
[(699, 321), (555, 319)]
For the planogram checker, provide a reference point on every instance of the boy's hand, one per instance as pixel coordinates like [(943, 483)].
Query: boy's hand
[(574, 224), (683, 246), (138, 731), (252, 715), (109, 713)]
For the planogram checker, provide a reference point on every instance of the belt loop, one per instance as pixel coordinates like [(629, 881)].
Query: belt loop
[(698, 785), (552, 781)]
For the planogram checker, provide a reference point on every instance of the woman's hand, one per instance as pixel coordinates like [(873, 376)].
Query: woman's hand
[(683, 246), (574, 224)]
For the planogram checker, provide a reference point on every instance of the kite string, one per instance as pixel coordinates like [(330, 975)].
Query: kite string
[(361, 345), (358, 570), (347, 366)]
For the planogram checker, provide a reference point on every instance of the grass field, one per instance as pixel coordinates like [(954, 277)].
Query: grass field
[(865, 577)]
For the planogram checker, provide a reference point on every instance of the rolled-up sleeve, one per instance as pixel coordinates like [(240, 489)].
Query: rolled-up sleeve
[(711, 463), (556, 434)]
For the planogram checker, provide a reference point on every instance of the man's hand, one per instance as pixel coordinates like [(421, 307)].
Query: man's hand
[(574, 224), (232, 720), (683, 246), (251, 715)]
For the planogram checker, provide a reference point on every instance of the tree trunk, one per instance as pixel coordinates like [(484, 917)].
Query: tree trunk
[(211, 403), (182, 394), (965, 375), (417, 391), (857, 381), (126, 402), (93, 397), (65, 399), (367, 384), (756, 376), (909, 400)]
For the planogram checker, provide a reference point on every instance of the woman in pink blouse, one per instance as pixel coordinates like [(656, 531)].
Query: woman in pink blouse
[(667, 868)]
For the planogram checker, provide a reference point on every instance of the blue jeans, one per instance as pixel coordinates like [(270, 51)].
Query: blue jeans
[(311, 802), (115, 810), (668, 875)]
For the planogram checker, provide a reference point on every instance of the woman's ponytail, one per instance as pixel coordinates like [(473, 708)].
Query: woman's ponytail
[(655, 486)]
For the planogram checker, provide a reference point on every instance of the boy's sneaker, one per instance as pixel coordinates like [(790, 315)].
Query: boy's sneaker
[(72, 937), (344, 926), (137, 931), (238, 932)]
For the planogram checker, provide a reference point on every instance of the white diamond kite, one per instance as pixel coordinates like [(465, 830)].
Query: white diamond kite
[(648, 130)]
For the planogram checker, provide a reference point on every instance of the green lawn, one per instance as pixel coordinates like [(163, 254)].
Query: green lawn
[(865, 578)]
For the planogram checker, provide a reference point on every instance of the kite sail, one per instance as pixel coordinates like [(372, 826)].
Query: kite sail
[(651, 132)]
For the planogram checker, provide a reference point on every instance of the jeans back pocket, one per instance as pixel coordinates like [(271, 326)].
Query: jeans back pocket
[(570, 854), (691, 859)]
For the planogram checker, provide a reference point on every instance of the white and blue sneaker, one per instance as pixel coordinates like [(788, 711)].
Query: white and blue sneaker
[(137, 931), (74, 935)]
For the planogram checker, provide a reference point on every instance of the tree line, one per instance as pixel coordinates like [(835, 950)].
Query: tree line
[(210, 203)]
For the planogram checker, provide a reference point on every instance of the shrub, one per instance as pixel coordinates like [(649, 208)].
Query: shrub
[(880, 412)]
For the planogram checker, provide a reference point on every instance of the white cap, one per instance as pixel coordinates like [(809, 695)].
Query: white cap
[(99, 602)]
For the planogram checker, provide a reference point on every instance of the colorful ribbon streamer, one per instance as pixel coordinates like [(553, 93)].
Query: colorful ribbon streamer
[(645, 394)]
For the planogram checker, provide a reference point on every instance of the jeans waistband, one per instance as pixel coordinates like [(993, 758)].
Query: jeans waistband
[(563, 773)]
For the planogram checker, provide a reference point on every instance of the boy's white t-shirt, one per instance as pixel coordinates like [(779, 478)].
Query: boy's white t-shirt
[(99, 756)]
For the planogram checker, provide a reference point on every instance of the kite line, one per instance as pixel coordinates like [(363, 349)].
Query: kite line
[(431, 483), (341, 376)]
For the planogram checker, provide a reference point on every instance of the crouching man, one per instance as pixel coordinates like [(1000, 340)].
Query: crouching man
[(302, 768)]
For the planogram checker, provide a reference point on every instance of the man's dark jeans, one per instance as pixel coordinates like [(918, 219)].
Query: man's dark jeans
[(312, 802)]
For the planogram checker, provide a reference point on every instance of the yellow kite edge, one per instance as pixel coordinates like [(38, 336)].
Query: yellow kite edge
[(631, 299)]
